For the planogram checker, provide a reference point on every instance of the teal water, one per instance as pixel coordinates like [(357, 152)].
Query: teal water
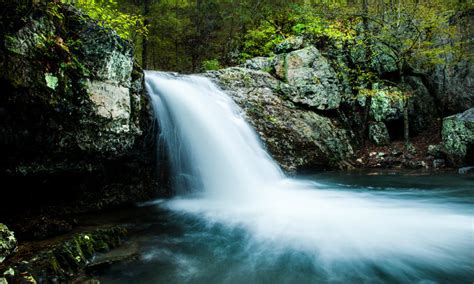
[(238, 218), (388, 228)]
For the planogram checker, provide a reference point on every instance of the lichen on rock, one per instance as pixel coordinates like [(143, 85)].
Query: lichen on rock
[(8, 242), (310, 79), (458, 136), (296, 138), (378, 133), (60, 260)]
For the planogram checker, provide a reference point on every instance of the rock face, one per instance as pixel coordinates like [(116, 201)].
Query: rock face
[(458, 137), (378, 133), (422, 107), (310, 79), (454, 81), (295, 137), (84, 90), (73, 118), (7, 242)]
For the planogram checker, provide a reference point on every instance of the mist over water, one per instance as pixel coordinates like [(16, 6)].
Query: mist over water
[(265, 227)]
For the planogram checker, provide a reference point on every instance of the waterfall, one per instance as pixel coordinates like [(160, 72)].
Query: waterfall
[(348, 234), (211, 147)]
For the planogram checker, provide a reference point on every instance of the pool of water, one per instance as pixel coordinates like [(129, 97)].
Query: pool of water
[(330, 227)]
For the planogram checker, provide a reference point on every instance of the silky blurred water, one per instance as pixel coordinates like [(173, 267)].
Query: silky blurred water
[(238, 219), (372, 229)]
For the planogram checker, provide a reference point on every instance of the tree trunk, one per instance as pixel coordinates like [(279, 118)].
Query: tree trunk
[(406, 119), (406, 122), (367, 58)]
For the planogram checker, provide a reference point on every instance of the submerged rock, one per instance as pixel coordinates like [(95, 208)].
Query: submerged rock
[(295, 137), (8, 242), (458, 137)]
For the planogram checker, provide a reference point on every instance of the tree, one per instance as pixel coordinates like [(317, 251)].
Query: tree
[(109, 15)]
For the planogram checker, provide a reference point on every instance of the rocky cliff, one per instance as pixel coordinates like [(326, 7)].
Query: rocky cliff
[(73, 120), (310, 116)]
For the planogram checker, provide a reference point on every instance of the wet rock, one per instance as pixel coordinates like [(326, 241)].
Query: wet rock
[(439, 163), (296, 138), (458, 137), (60, 261), (466, 170), (8, 242), (121, 254), (410, 164), (378, 133), (41, 227)]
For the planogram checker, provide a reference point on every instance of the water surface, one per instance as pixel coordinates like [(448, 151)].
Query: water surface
[(335, 227)]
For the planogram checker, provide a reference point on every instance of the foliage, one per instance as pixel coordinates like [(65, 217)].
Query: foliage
[(108, 14), (260, 41), (212, 64)]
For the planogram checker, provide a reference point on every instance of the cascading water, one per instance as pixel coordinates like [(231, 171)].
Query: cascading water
[(306, 231)]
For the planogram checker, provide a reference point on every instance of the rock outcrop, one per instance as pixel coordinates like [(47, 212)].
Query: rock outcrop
[(58, 260), (296, 138), (308, 79), (73, 119), (458, 137)]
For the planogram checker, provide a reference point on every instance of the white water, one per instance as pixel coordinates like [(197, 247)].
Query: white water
[(217, 155)]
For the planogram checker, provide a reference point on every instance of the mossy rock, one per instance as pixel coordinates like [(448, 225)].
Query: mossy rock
[(378, 133), (61, 261), (458, 137), (8, 242)]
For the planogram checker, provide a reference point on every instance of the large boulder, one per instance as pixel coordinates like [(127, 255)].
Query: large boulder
[(73, 118), (307, 77), (296, 138), (7, 242), (386, 104), (311, 81), (76, 84), (458, 137), (378, 133)]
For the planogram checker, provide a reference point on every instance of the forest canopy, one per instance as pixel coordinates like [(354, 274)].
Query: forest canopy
[(196, 35)]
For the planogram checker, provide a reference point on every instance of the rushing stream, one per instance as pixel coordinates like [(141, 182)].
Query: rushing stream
[(238, 219)]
